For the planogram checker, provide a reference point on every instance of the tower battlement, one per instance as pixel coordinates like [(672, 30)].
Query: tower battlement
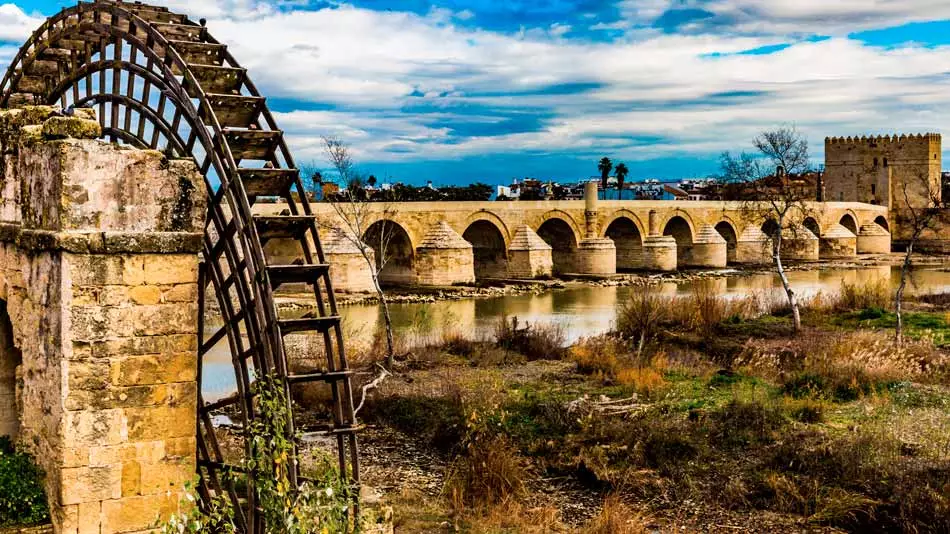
[(883, 139)]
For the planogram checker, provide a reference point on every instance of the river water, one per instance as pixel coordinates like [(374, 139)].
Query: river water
[(579, 312)]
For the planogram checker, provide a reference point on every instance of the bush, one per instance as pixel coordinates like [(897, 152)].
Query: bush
[(489, 474), (22, 499), (536, 342), (743, 423), (868, 295), (640, 317)]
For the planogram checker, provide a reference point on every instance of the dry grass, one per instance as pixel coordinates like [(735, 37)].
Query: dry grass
[(606, 358), (875, 294), (490, 474), (846, 367), (534, 341), (615, 517)]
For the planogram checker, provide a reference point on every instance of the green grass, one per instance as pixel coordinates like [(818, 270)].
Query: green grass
[(916, 324)]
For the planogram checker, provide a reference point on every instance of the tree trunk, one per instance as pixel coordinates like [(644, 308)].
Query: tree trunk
[(643, 342), (387, 319), (789, 292), (899, 297)]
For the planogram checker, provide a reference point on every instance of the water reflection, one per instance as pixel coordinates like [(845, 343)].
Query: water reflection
[(579, 312)]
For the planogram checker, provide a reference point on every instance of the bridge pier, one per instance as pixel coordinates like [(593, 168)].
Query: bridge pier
[(444, 258), (873, 239), (594, 255), (837, 242), (349, 270), (529, 256), (709, 249), (753, 246), (799, 244), (659, 251)]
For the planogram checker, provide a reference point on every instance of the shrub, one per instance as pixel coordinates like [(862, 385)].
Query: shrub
[(640, 317), (743, 423), (22, 499), (806, 410), (598, 356), (490, 473), (874, 294), (536, 342)]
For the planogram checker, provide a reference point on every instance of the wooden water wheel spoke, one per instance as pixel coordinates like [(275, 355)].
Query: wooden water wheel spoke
[(159, 80)]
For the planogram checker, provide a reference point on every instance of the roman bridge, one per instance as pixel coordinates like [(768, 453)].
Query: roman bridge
[(443, 243)]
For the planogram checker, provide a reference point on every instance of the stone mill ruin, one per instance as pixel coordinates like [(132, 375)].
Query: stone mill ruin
[(134, 147)]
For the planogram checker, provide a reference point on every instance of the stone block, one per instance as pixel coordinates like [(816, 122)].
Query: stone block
[(171, 268), (74, 127), (133, 514), (84, 484), (160, 422), (163, 319), (154, 369), (837, 242)]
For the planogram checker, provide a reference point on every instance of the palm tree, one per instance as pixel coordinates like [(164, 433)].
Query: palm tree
[(604, 166), (620, 172), (371, 180)]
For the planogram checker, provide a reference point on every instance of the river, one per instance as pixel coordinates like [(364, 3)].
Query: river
[(579, 311)]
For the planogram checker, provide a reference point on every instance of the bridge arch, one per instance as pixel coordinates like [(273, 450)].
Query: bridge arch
[(727, 229), (393, 251), (563, 238), (489, 248), (812, 224), (627, 234), (565, 217), (849, 221), (681, 230), (881, 221)]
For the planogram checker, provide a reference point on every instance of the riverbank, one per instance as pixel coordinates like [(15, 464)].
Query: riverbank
[(726, 421), (301, 302)]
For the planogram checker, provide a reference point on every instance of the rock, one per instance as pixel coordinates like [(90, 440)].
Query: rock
[(74, 127)]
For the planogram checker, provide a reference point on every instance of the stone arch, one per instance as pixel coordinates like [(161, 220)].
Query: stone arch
[(628, 239), (685, 216), (849, 221), (812, 226), (393, 249), (489, 249), (566, 218), (770, 228), (562, 238), (881, 221), (10, 359), (681, 230), (488, 216), (728, 232)]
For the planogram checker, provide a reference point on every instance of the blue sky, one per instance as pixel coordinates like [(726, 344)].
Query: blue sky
[(462, 90)]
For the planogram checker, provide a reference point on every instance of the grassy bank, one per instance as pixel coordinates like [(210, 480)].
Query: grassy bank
[(706, 413)]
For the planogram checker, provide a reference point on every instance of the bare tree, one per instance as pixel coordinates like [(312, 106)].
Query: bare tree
[(355, 214), (764, 180), (918, 210)]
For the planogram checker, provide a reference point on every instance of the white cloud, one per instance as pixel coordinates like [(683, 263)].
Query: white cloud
[(15, 24), (371, 67)]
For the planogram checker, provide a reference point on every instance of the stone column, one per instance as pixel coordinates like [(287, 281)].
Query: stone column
[(595, 255), (444, 258), (659, 251), (100, 278), (873, 239)]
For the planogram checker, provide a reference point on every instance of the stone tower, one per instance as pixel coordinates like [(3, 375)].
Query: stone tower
[(876, 170)]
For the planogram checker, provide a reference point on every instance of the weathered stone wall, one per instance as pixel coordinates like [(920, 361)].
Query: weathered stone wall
[(877, 169), (99, 273)]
